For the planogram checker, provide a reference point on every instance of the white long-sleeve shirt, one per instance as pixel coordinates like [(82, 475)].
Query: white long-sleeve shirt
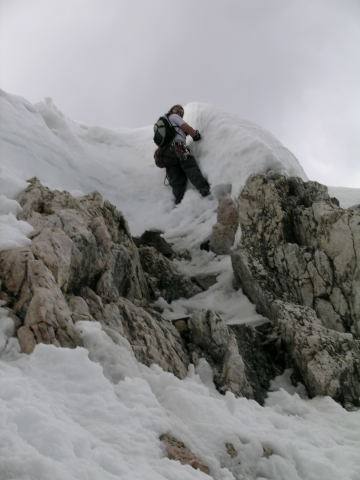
[(177, 121)]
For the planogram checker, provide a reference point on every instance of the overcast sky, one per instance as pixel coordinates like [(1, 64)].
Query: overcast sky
[(291, 66)]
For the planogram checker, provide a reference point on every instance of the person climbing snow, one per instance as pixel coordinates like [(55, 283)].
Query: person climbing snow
[(174, 155)]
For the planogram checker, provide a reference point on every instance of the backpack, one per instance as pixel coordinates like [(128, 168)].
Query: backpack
[(159, 159), (164, 132)]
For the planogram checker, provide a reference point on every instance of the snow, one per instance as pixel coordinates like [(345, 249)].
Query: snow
[(95, 413), (38, 140)]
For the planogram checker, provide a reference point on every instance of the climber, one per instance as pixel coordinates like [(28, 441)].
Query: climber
[(178, 160)]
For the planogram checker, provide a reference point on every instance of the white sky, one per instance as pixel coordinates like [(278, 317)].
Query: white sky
[(292, 66)]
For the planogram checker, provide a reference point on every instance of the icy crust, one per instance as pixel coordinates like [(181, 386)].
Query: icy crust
[(98, 414)]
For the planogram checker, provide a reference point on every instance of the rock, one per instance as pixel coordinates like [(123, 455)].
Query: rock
[(211, 339), (205, 245), (79, 309), (153, 339), (177, 450), (94, 304), (205, 281), (181, 324), (299, 247), (328, 361), (153, 238), (164, 278), (223, 232), (83, 241), (83, 265), (222, 239), (37, 300), (262, 355)]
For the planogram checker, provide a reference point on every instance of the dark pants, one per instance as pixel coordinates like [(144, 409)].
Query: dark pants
[(180, 166)]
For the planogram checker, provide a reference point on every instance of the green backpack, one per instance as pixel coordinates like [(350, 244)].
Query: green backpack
[(164, 132)]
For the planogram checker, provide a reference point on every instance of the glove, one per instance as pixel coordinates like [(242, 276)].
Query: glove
[(197, 136)]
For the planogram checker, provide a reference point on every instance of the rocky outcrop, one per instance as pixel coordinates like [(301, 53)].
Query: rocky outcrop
[(82, 264), (300, 247)]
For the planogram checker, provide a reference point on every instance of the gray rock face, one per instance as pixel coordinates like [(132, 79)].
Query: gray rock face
[(300, 247), (83, 265), (262, 356), (35, 297), (327, 359), (164, 278), (210, 338)]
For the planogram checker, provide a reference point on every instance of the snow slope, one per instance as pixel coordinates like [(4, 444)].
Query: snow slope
[(38, 140), (95, 413)]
